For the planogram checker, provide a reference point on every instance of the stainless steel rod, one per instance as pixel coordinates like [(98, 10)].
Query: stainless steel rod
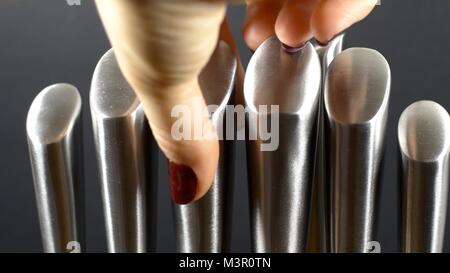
[(55, 145), (319, 231), (281, 176), (204, 226), (127, 160), (357, 91), (424, 142)]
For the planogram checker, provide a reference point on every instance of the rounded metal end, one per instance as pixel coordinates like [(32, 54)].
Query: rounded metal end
[(328, 52), (53, 113), (424, 131), (276, 77), (111, 96), (357, 86), (217, 79)]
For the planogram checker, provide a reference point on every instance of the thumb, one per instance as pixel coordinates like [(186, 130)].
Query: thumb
[(161, 47)]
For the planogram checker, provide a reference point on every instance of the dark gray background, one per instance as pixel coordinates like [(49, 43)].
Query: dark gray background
[(44, 42)]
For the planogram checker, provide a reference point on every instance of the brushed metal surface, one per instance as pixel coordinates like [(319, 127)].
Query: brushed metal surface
[(319, 230), (424, 144), (280, 181), (55, 145), (328, 52), (204, 226), (356, 100), (127, 160)]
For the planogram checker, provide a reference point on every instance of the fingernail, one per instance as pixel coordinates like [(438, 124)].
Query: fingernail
[(291, 49), (183, 183)]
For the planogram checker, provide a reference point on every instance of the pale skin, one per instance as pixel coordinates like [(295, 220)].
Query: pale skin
[(162, 46)]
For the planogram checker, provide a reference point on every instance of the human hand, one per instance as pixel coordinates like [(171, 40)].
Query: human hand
[(297, 21)]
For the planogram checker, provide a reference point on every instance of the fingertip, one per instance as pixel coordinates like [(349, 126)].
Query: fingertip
[(333, 17), (292, 26), (292, 31), (191, 176), (260, 22)]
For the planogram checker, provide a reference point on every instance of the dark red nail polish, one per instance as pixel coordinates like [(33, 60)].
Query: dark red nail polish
[(291, 49), (183, 183)]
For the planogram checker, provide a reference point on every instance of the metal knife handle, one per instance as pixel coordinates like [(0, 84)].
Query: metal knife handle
[(319, 230), (281, 176), (424, 142), (127, 160), (356, 100), (55, 145), (204, 226)]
